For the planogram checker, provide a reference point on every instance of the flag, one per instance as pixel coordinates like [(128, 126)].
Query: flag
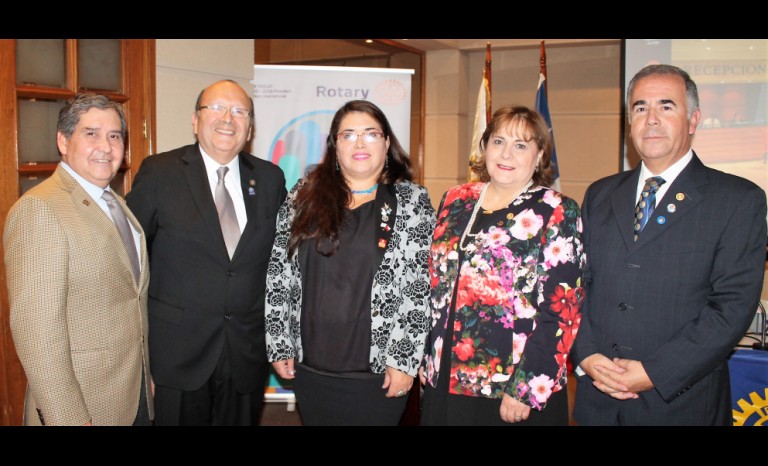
[(482, 114), (542, 106)]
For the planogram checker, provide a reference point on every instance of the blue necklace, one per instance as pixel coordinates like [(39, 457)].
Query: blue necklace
[(366, 191)]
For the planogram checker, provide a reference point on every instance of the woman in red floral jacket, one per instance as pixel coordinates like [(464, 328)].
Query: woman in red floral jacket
[(505, 270)]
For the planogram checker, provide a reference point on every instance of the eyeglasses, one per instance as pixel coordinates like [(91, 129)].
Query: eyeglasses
[(221, 110), (368, 136)]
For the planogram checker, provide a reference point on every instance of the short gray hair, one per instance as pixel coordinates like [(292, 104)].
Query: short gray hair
[(691, 92), (69, 115)]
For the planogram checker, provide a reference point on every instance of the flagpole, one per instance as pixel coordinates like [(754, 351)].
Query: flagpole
[(488, 110), (543, 64)]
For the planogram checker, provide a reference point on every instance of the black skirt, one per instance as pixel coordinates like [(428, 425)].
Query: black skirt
[(330, 400)]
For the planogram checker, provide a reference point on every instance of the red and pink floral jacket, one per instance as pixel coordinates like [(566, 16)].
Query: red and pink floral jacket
[(516, 296)]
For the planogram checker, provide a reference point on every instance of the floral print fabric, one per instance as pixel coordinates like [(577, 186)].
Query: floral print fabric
[(516, 296)]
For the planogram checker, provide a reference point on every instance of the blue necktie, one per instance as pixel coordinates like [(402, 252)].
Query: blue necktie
[(647, 203)]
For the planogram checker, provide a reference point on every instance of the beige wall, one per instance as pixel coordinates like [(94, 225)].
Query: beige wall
[(184, 68), (584, 99)]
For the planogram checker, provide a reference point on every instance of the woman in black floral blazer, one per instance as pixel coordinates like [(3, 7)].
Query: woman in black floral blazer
[(506, 266), (347, 284)]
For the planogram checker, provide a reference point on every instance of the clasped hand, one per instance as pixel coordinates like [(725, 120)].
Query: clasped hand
[(622, 379)]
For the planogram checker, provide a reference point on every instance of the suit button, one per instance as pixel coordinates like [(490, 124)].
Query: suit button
[(228, 316), (615, 347), (230, 274), (623, 306)]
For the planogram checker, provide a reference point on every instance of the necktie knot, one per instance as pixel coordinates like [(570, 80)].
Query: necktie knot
[(222, 172), (647, 203)]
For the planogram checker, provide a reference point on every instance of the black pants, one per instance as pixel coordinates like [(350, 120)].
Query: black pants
[(216, 403)]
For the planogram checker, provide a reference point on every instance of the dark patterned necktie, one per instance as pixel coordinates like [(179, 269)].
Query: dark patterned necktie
[(227, 217), (647, 203)]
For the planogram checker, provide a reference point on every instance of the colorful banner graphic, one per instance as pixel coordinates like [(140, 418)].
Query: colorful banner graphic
[(294, 106)]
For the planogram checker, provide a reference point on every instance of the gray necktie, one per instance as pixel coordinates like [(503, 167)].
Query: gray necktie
[(227, 217), (121, 222)]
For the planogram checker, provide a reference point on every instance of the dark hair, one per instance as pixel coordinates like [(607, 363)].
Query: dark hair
[(531, 127), (69, 115), (691, 92), (324, 193), (199, 100)]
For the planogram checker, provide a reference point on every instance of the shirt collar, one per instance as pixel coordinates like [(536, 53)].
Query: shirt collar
[(94, 191), (211, 165)]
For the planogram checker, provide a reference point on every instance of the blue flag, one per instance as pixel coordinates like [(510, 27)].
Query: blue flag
[(542, 106)]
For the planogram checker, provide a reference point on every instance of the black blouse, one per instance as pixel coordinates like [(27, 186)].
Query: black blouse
[(336, 301)]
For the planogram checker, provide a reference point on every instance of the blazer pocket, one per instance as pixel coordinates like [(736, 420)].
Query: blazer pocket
[(90, 365), (165, 312)]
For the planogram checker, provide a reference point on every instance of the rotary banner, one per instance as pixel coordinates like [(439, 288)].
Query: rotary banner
[(749, 387), (294, 106)]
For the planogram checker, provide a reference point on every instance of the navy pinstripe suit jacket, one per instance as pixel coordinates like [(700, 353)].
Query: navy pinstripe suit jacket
[(678, 300)]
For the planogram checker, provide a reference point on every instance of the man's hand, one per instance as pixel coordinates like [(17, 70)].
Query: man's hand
[(607, 376)]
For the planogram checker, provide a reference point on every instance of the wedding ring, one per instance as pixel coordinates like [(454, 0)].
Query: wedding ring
[(518, 418), (400, 393)]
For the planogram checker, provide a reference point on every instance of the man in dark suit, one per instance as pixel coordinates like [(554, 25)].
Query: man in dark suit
[(209, 233), (666, 300)]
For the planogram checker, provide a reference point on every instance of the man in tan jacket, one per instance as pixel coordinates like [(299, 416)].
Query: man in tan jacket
[(77, 273)]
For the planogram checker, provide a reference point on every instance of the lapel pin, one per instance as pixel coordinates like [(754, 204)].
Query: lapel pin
[(251, 191), (252, 182), (382, 243), (671, 208), (679, 196), (661, 220)]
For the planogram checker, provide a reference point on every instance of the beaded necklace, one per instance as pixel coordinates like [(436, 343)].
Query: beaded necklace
[(480, 200), (366, 191)]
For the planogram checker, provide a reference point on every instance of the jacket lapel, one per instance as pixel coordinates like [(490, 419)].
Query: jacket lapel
[(252, 188), (386, 211), (623, 204), (200, 191), (683, 194), (87, 208)]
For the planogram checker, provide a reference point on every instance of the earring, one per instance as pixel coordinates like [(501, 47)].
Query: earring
[(337, 164), (386, 162)]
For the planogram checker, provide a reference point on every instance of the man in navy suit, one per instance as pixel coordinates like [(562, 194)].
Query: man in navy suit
[(666, 302), (206, 293)]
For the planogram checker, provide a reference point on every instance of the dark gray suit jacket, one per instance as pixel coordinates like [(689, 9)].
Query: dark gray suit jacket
[(678, 300), (199, 299)]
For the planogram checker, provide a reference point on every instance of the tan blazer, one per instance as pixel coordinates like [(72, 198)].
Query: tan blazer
[(78, 319)]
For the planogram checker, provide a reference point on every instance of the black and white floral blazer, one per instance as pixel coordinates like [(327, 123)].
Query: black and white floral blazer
[(400, 289)]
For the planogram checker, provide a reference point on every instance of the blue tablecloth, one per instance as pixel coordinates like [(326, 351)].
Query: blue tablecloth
[(749, 387)]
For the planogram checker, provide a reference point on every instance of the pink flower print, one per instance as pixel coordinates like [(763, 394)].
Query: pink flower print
[(552, 198), (558, 251), (523, 308), (527, 224), (496, 238), (541, 387), (518, 346)]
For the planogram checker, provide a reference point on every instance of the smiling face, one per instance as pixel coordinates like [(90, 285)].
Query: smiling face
[(361, 162), (511, 159), (661, 129), (222, 136), (95, 149)]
